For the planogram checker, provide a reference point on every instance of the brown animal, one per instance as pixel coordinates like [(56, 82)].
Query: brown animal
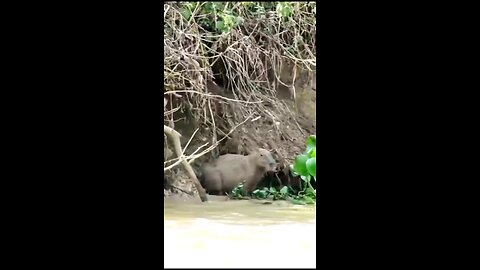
[(226, 172)]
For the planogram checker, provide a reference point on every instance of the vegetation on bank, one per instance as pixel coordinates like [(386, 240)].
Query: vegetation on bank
[(243, 45), (238, 43), (304, 167)]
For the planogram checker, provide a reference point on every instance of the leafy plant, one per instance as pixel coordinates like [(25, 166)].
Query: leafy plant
[(217, 16), (237, 41), (284, 9), (238, 192), (304, 166), (271, 192)]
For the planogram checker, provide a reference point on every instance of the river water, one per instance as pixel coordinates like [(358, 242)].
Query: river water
[(238, 234)]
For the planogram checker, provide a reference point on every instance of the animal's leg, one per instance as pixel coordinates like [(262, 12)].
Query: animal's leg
[(250, 186), (217, 184)]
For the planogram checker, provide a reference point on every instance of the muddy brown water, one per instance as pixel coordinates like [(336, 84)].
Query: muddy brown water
[(238, 233)]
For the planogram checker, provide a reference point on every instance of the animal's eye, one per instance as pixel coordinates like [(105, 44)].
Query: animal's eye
[(261, 155)]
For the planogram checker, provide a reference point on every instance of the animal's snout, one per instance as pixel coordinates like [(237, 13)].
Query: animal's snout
[(273, 167), (271, 161)]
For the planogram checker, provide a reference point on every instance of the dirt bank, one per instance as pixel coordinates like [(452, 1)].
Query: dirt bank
[(237, 77), (284, 132)]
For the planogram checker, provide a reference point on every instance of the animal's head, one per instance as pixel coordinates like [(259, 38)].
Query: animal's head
[(265, 159)]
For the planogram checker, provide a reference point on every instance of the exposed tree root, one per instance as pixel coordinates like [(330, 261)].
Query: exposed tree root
[(175, 138)]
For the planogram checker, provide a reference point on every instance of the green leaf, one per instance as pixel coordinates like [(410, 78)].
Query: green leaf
[(310, 191), (186, 13), (311, 142), (210, 7), (272, 190), (220, 26), (311, 165), (238, 191), (305, 178), (284, 9), (299, 165), (295, 201), (309, 200), (312, 152), (284, 190), (260, 194)]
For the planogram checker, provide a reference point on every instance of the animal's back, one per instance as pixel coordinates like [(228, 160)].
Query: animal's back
[(234, 169), (227, 158), (225, 173)]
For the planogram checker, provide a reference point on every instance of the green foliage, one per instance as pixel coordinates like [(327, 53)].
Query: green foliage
[(239, 41), (304, 166), (300, 165), (272, 193), (235, 36), (228, 21), (222, 17), (284, 9), (312, 166), (238, 192)]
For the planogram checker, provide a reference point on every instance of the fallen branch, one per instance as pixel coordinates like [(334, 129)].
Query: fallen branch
[(175, 138), (194, 155), (218, 142)]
